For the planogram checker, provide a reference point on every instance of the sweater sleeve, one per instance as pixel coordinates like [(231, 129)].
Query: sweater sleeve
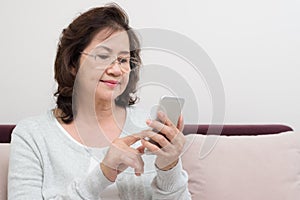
[(25, 178), (171, 184)]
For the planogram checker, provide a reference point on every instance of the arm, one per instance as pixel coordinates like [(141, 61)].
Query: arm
[(25, 180), (171, 184), (171, 181)]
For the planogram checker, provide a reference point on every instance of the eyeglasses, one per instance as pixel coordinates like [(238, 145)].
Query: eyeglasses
[(105, 60)]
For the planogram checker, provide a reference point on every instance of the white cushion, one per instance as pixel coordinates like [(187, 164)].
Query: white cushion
[(265, 167), (4, 154)]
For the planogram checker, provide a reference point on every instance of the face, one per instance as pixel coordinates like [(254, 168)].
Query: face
[(103, 63)]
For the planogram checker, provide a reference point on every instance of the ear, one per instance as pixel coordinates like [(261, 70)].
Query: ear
[(73, 71)]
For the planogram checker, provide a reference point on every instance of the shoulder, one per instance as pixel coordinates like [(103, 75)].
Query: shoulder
[(138, 111), (137, 116), (32, 126)]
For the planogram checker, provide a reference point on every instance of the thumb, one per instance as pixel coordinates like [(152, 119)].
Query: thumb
[(180, 124)]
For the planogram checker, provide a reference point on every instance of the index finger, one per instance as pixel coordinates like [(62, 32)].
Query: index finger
[(131, 139)]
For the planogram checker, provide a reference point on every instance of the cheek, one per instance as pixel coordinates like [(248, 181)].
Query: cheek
[(125, 82)]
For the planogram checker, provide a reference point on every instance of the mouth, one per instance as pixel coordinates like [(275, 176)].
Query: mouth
[(110, 83)]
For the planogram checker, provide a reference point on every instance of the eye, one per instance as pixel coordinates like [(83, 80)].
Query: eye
[(123, 60), (102, 56)]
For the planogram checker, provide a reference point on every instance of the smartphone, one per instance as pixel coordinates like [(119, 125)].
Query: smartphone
[(172, 107)]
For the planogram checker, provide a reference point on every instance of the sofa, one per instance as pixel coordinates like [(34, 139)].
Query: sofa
[(232, 162)]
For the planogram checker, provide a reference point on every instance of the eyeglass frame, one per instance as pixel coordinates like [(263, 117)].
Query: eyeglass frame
[(131, 60)]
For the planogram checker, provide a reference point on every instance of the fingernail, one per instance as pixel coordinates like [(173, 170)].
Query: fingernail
[(160, 113), (148, 121)]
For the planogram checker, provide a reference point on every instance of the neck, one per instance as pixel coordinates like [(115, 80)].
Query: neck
[(109, 117), (106, 110)]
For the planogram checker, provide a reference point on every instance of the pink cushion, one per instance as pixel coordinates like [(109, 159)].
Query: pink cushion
[(4, 154), (244, 167)]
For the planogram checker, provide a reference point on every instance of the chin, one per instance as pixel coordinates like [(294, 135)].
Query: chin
[(107, 96)]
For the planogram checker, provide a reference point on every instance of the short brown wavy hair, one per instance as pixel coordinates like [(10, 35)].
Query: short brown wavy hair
[(75, 38)]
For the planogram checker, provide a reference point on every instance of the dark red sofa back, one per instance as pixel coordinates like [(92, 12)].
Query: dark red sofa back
[(228, 130), (5, 132), (236, 130)]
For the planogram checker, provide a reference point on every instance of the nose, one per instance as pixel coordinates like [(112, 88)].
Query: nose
[(114, 68)]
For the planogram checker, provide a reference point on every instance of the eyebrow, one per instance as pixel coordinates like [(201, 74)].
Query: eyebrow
[(110, 50)]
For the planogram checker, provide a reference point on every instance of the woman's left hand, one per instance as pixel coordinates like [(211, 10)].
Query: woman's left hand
[(172, 142)]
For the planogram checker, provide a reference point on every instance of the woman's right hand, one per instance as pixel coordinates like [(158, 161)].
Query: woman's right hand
[(120, 156)]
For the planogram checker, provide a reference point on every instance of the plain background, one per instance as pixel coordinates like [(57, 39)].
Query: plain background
[(254, 45)]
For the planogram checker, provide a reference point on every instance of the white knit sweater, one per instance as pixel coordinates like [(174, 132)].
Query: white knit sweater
[(45, 163)]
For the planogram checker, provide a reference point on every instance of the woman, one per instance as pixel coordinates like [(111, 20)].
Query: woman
[(91, 146)]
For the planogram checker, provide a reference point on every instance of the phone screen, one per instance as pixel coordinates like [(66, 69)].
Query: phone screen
[(172, 107)]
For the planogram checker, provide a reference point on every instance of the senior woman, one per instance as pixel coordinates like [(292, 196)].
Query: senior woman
[(91, 146)]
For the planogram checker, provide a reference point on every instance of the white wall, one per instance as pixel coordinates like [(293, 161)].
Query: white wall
[(254, 44)]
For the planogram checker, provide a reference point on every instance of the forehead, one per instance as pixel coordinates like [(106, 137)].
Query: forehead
[(117, 41)]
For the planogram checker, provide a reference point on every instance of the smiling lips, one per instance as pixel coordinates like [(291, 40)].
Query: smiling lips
[(110, 83)]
